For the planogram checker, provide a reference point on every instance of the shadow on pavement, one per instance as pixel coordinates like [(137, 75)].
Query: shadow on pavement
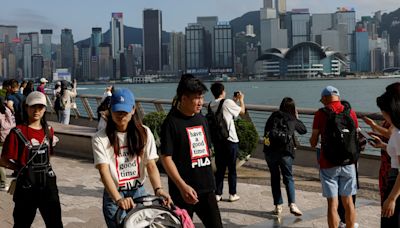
[(81, 190)]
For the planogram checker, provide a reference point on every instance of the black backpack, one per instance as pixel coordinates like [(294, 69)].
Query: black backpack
[(340, 144), (58, 105), (218, 126), (278, 133)]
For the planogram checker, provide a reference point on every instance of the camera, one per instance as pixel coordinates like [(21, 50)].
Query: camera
[(235, 94)]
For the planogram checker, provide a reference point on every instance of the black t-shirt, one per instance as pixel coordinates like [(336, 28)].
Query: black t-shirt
[(187, 140)]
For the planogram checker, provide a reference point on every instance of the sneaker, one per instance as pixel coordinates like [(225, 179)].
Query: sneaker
[(234, 197), (218, 198), (295, 210), (343, 225), (278, 209)]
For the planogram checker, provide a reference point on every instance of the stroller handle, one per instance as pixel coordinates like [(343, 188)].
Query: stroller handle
[(143, 200)]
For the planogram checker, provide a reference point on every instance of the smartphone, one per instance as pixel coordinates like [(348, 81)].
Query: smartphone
[(367, 136), (235, 94)]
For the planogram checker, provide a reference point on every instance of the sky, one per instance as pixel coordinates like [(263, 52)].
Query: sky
[(82, 15)]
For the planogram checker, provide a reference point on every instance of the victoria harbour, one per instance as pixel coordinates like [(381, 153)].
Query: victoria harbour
[(361, 93)]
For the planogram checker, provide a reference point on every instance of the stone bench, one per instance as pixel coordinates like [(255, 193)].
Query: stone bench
[(74, 141)]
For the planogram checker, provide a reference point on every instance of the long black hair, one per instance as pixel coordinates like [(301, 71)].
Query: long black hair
[(136, 134), (389, 102), (288, 106)]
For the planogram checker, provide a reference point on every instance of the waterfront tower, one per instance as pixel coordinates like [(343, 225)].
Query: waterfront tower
[(67, 50), (152, 29)]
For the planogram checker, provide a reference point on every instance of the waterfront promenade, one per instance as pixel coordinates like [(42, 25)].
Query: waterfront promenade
[(81, 196)]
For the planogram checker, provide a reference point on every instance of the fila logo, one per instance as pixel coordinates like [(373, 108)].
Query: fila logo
[(121, 98)]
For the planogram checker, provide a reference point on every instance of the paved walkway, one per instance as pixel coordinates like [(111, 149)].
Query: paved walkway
[(81, 191)]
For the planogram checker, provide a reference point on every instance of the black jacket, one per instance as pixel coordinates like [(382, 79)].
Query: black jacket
[(294, 124)]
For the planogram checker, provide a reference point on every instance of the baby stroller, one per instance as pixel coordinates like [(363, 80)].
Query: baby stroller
[(149, 212)]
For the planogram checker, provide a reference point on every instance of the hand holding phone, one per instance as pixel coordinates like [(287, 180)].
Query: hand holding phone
[(368, 137)]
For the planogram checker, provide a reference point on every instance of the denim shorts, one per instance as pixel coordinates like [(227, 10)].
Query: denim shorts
[(338, 180)]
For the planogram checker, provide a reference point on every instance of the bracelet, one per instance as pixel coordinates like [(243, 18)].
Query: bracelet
[(156, 190)]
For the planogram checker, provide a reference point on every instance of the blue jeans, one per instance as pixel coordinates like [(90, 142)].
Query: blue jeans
[(63, 116), (225, 156), (276, 167), (110, 208)]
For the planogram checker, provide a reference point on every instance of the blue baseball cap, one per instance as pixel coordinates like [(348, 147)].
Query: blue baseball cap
[(330, 91), (122, 100)]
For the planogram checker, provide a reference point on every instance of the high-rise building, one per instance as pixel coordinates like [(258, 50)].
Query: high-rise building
[(376, 60), (67, 50), (35, 42), (94, 68), (95, 40), (46, 43), (300, 30), (86, 54), (272, 36), (348, 17), (320, 22), (37, 66), (177, 51), (208, 23), (194, 49), (117, 42), (223, 51), (362, 51), (8, 33), (12, 66), (105, 62), (251, 58), (117, 34), (152, 29), (27, 59), (330, 38), (280, 6), (268, 4)]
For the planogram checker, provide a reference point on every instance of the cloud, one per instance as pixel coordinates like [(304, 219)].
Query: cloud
[(28, 20)]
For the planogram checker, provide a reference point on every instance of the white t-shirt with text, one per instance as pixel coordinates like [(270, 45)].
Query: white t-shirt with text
[(127, 172)]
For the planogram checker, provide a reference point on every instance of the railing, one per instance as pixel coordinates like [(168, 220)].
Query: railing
[(258, 114)]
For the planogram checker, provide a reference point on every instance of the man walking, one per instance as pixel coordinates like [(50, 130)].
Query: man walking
[(226, 150), (186, 155), (335, 178)]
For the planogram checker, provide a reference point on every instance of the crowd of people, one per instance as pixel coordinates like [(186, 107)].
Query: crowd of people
[(125, 152)]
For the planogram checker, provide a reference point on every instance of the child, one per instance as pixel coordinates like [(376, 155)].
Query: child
[(27, 149)]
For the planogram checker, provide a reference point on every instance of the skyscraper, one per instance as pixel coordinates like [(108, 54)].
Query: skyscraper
[(268, 4), (195, 49), (152, 28), (105, 61), (8, 33), (320, 22), (95, 40), (209, 47), (362, 51), (67, 50), (177, 51), (35, 42), (280, 6), (223, 51), (27, 59), (37, 66), (347, 17), (46, 43), (117, 34), (117, 42), (300, 29)]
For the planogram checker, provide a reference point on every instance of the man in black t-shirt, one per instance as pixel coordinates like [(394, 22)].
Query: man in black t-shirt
[(186, 154)]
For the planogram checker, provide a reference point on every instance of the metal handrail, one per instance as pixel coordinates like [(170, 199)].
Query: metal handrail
[(258, 114)]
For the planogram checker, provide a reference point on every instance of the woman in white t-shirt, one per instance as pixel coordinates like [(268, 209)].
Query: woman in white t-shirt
[(389, 104), (125, 153)]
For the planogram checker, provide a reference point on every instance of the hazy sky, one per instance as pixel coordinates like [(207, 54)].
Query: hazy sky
[(82, 15)]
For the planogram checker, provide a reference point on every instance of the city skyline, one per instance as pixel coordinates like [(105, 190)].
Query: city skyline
[(30, 16)]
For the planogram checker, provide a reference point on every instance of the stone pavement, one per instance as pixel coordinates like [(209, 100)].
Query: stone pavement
[(81, 194)]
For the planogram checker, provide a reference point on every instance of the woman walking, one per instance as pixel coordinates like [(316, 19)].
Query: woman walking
[(29, 146), (125, 153), (279, 147)]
